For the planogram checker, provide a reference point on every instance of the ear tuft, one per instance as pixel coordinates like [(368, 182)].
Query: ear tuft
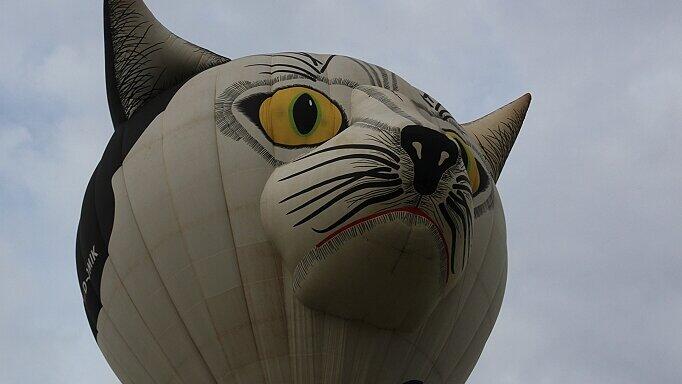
[(144, 59), (497, 132)]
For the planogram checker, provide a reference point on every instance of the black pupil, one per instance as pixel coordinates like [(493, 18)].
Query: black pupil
[(304, 113)]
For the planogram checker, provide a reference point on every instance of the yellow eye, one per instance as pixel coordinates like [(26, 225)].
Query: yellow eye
[(470, 161), (299, 116)]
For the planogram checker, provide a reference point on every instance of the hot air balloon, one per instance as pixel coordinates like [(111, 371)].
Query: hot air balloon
[(287, 218)]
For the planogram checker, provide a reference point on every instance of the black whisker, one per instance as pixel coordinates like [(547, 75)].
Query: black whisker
[(461, 187), (299, 59), (287, 71), (364, 164), (456, 209), (354, 146), (364, 196), (313, 59), (359, 187), (341, 158), (465, 219), (366, 203), (337, 178), (324, 194), (395, 204), (345, 183), (451, 224), (310, 74), (435, 214)]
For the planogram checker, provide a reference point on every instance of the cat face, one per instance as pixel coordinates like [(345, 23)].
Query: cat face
[(360, 158)]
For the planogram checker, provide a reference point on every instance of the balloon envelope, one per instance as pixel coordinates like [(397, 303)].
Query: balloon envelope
[(287, 218)]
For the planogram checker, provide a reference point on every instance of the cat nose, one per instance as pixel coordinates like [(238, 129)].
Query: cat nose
[(432, 154)]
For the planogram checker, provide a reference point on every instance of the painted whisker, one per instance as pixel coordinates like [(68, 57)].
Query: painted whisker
[(348, 182), (359, 187), (341, 158), (353, 175)]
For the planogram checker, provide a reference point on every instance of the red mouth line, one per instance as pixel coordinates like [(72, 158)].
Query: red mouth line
[(409, 209)]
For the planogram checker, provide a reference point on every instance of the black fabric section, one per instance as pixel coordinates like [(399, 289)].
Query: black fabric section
[(89, 236), (97, 212), (140, 61), (140, 120)]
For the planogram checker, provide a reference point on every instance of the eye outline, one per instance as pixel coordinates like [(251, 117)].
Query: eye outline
[(246, 107)]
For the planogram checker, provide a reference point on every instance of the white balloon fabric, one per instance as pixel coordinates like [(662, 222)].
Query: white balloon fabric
[(287, 218)]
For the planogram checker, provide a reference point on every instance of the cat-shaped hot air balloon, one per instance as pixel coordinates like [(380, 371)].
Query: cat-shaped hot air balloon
[(287, 218)]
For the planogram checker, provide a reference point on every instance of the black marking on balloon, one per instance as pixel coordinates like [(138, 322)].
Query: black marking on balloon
[(288, 72), (453, 243), (364, 67), (382, 98), (341, 158), (440, 111), (378, 148), (315, 68), (376, 175), (296, 69), (342, 195), (459, 204), (457, 213), (250, 107), (352, 175), (363, 205), (140, 73), (486, 206), (308, 64), (304, 113), (316, 62), (384, 78), (483, 179)]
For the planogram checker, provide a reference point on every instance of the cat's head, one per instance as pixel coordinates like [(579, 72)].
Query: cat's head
[(369, 189)]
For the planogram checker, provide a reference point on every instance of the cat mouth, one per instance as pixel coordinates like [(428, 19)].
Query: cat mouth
[(409, 215)]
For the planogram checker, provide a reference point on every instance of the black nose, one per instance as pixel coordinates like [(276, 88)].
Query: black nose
[(432, 154)]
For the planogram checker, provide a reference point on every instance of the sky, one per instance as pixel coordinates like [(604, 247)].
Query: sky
[(592, 189)]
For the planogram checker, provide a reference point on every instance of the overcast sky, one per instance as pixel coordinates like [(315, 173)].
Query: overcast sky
[(591, 190)]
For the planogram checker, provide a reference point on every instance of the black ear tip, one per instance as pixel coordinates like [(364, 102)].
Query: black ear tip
[(144, 59)]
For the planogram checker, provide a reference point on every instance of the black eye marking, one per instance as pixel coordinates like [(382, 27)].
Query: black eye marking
[(250, 107), (484, 179), (305, 114)]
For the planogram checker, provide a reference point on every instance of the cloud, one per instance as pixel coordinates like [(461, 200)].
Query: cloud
[(591, 190)]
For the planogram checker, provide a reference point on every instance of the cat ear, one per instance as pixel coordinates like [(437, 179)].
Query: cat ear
[(497, 131), (145, 60)]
